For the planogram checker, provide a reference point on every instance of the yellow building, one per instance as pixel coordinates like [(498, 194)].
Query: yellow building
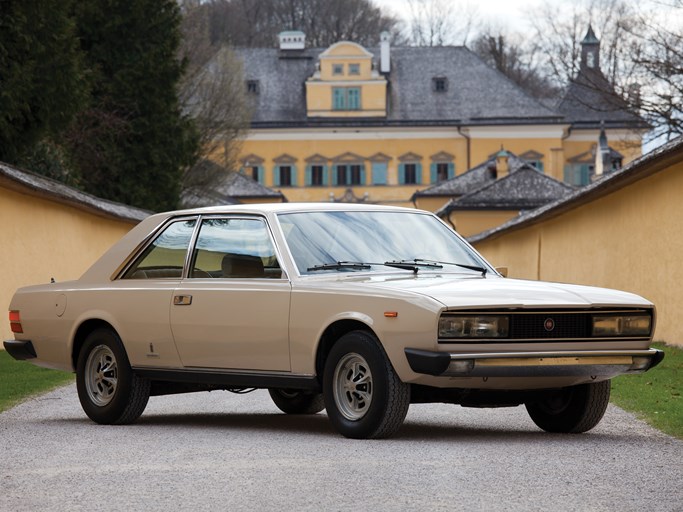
[(622, 231), (379, 124), (52, 231)]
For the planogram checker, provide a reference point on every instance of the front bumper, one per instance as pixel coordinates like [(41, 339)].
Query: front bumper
[(20, 349), (606, 363)]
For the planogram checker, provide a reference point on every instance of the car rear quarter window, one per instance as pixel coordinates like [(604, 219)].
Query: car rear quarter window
[(165, 257)]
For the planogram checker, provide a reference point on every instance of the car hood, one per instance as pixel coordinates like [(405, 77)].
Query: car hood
[(466, 291)]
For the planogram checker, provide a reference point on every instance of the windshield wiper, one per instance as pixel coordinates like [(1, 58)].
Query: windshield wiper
[(412, 264), (340, 265), (476, 268)]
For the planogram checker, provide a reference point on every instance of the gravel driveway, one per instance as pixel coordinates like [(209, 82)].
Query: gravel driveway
[(219, 451)]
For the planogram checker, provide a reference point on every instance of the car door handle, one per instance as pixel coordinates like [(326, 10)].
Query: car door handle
[(182, 300)]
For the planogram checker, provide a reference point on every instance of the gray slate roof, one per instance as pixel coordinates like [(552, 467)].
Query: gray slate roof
[(590, 100), (224, 188), (476, 93), (523, 189), (36, 184), (643, 167), (472, 179)]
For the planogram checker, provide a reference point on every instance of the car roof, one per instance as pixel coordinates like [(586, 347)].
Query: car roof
[(288, 208)]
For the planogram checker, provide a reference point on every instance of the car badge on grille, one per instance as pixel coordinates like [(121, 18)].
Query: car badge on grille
[(549, 324)]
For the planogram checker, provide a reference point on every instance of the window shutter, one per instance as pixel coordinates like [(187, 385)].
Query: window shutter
[(261, 174), (379, 174), (276, 176), (401, 174), (326, 173), (540, 166), (294, 176), (309, 178), (335, 182), (432, 172), (418, 174), (362, 174), (451, 170)]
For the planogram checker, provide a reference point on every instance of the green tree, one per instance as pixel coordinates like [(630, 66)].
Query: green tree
[(42, 80), (133, 143)]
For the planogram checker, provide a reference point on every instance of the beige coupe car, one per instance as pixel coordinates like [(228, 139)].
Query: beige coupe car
[(357, 309)]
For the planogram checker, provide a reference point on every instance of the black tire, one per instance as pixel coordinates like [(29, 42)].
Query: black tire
[(297, 402), (109, 391), (571, 410), (364, 397)]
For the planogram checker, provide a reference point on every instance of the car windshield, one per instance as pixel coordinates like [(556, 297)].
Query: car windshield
[(338, 241)]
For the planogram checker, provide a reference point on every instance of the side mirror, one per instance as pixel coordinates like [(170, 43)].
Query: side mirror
[(503, 271)]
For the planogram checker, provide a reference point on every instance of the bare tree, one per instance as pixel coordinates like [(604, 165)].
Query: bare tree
[(441, 22), (213, 94), (512, 55), (641, 54), (256, 23)]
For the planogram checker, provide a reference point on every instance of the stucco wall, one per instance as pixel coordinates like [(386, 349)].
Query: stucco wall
[(631, 239), (44, 239)]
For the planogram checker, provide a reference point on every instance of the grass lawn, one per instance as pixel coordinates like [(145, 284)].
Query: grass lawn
[(655, 396), (19, 379)]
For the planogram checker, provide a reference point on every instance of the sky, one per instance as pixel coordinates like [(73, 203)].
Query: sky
[(514, 14), (506, 12)]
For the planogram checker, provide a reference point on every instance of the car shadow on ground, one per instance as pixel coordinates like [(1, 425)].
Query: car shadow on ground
[(318, 425)]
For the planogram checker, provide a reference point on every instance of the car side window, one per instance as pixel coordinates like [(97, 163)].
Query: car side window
[(165, 257), (234, 248)]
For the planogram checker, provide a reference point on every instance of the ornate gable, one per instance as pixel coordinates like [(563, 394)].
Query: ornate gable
[(409, 157), (348, 158), (284, 159), (442, 156)]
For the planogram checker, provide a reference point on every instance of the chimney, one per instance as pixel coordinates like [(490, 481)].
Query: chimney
[(385, 54), (292, 40), (502, 165)]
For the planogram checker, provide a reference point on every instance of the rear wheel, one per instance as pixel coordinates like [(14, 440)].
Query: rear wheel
[(109, 391), (571, 410), (297, 402), (364, 397)]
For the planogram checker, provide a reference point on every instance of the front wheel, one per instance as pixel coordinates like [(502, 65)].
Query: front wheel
[(297, 402), (109, 391), (571, 410), (364, 397)]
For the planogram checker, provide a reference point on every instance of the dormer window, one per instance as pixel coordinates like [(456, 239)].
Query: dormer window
[(354, 69), (439, 84), (253, 86), (337, 69)]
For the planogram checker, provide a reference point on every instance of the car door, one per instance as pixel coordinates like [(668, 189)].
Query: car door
[(232, 310)]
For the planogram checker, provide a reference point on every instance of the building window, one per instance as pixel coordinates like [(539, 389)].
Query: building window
[(441, 172), (346, 98), (285, 176), (341, 175), (354, 69), (350, 174), (255, 173), (355, 175), (410, 174), (590, 59), (317, 173), (536, 164), (439, 84), (253, 86), (337, 69)]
